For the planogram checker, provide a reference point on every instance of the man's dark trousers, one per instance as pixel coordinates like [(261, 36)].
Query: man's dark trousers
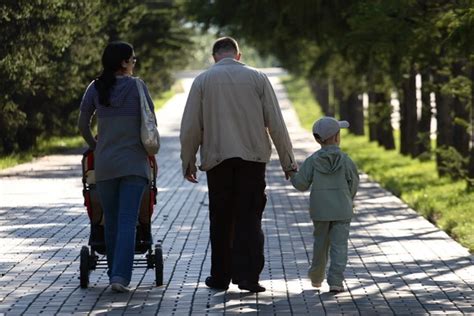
[(236, 203)]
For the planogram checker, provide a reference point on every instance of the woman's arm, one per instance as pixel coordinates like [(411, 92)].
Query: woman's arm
[(87, 111)]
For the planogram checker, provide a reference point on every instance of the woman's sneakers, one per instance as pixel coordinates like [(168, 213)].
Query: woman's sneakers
[(316, 284), (120, 288)]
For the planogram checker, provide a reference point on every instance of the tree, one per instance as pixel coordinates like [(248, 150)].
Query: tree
[(456, 24), (388, 40), (408, 115), (35, 40), (424, 131), (51, 50)]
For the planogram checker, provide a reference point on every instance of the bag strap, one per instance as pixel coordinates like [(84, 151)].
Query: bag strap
[(143, 100)]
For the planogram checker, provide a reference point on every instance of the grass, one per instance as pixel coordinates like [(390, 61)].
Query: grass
[(443, 201), (52, 145), (56, 144), (161, 100)]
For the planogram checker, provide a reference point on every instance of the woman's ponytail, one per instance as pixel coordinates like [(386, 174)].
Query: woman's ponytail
[(114, 54), (104, 84)]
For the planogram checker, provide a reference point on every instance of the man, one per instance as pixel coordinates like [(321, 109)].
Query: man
[(230, 112)]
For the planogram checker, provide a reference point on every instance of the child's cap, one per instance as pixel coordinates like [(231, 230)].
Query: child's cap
[(328, 126)]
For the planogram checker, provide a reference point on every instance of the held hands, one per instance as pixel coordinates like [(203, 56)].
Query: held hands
[(290, 173)]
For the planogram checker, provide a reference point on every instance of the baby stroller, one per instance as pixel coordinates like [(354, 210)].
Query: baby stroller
[(89, 260)]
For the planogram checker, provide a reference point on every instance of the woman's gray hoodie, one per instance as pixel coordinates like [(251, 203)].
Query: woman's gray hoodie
[(118, 150)]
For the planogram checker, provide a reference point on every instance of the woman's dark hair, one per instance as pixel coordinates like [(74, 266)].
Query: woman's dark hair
[(112, 58)]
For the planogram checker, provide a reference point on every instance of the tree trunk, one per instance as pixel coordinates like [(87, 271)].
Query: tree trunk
[(470, 171), (331, 98), (444, 120), (424, 126), (408, 116), (355, 114), (372, 117), (340, 104), (321, 92), (461, 136), (344, 110), (471, 153), (383, 113)]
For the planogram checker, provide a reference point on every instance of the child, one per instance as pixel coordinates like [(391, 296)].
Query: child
[(333, 178)]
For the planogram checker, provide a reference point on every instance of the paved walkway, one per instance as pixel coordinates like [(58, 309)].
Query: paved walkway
[(399, 263)]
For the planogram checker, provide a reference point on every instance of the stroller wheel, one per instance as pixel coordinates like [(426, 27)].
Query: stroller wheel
[(84, 267), (158, 264)]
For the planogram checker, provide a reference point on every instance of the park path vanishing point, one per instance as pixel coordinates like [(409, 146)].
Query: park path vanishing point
[(399, 263)]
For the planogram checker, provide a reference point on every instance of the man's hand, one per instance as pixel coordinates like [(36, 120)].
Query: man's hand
[(191, 177)]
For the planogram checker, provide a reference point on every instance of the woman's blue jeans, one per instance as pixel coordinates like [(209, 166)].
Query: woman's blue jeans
[(120, 199)]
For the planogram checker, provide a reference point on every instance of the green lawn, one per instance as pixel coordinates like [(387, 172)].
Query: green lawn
[(57, 144), (441, 200), (44, 147)]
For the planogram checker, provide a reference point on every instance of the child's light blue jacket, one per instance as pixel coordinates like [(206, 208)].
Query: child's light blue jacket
[(333, 178)]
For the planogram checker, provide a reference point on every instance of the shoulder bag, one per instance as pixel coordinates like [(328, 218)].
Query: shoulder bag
[(148, 130)]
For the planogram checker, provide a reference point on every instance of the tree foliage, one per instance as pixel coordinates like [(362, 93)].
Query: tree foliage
[(373, 46), (50, 51)]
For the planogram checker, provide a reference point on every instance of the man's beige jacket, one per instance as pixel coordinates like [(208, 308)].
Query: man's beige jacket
[(230, 112)]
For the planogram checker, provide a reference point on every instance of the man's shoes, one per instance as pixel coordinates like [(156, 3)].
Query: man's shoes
[(214, 284), (316, 284), (250, 286), (235, 281), (336, 289), (120, 288)]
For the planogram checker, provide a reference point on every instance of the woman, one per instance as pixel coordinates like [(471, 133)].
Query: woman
[(121, 166)]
